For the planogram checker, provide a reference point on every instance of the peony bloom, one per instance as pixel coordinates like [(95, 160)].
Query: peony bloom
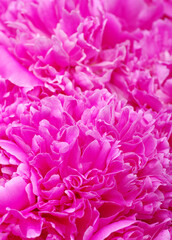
[(88, 167), (89, 44), (85, 120)]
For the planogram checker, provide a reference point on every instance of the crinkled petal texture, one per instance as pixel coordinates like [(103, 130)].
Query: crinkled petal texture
[(85, 119), (85, 167), (124, 46)]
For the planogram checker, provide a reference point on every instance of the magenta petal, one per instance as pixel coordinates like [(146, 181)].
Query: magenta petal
[(13, 195), (13, 149), (30, 226), (112, 33), (47, 11), (113, 227), (15, 72), (100, 162), (90, 154), (150, 144), (143, 98), (85, 119), (164, 234), (43, 163)]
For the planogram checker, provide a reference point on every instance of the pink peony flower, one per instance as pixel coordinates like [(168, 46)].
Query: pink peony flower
[(91, 44), (85, 120), (88, 167)]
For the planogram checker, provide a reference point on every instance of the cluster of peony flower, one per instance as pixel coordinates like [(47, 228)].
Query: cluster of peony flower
[(86, 119)]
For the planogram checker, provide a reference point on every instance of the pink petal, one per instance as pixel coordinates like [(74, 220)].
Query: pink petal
[(13, 149), (113, 227), (163, 235), (13, 195), (15, 72)]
